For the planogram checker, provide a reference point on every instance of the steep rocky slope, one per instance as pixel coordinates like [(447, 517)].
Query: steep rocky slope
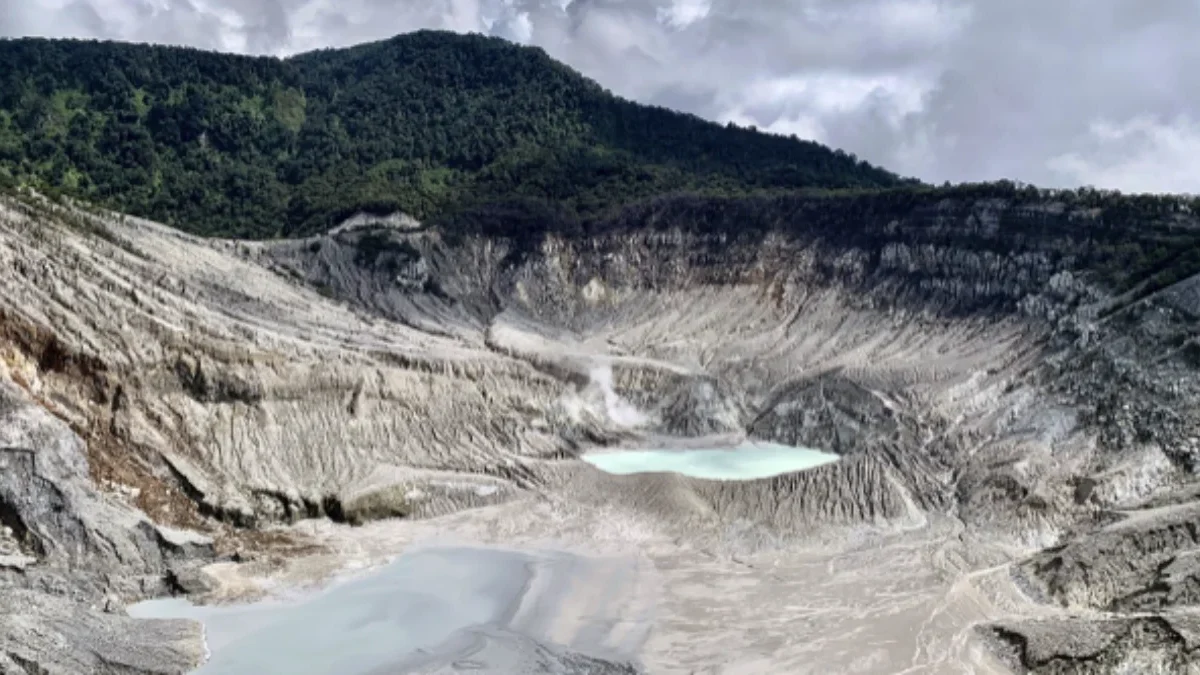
[(165, 400)]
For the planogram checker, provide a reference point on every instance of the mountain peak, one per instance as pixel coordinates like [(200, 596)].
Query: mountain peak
[(425, 123)]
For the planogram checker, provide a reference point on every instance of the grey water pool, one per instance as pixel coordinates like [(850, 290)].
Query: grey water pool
[(428, 610)]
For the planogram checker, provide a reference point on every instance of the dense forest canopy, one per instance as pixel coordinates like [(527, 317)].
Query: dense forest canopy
[(473, 133), (428, 123)]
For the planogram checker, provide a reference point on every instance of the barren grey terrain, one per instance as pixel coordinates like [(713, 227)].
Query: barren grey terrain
[(225, 419)]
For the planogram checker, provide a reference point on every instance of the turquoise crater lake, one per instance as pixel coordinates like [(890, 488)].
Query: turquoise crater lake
[(745, 461)]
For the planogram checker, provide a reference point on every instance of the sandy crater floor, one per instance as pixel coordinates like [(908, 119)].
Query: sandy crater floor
[(905, 602)]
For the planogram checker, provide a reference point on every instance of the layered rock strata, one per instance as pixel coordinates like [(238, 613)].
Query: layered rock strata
[(163, 398)]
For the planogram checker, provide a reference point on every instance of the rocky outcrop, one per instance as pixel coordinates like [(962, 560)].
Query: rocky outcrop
[(703, 406), (59, 521), (1143, 561), (829, 411), (1151, 645), (963, 358), (48, 635), (1131, 376), (72, 552)]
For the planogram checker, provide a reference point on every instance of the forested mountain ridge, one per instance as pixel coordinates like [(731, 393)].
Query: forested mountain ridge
[(426, 122)]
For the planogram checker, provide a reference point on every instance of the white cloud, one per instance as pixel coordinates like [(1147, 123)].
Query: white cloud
[(803, 105), (520, 28), (683, 13), (1141, 155)]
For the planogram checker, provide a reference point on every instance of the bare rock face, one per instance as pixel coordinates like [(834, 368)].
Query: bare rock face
[(1131, 553), (78, 553), (1143, 561), (703, 406), (1151, 645), (831, 412), (58, 518), (40, 633), (154, 384)]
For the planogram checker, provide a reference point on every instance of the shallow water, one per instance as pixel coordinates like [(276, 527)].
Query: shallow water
[(748, 460), (426, 605)]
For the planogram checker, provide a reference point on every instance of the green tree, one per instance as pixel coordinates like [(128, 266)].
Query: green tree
[(430, 122)]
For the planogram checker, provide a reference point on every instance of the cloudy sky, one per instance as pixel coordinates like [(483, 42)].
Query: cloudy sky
[(1051, 92)]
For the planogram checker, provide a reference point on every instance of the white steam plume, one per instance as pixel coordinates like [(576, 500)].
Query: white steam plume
[(619, 410)]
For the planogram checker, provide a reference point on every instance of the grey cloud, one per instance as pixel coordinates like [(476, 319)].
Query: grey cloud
[(266, 25), (1027, 82), (1056, 93)]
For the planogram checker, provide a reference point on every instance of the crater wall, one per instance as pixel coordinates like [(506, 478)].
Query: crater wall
[(964, 360)]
